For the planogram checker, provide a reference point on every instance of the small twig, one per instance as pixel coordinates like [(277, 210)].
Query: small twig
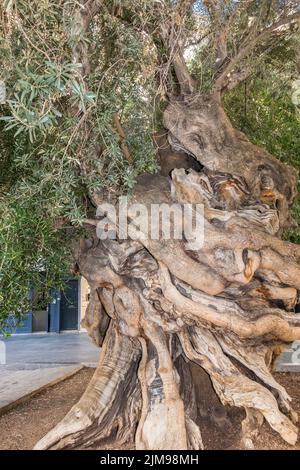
[(93, 222), (123, 145)]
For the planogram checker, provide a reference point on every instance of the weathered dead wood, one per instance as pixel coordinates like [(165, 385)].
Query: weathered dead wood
[(199, 125), (96, 320), (225, 314), (163, 403)]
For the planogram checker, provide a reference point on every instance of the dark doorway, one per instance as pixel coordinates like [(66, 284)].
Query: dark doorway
[(69, 306), (39, 309)]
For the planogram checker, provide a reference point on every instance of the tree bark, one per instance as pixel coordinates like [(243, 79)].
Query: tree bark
[(161, 307)]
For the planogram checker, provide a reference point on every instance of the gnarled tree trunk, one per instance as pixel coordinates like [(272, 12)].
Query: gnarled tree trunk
[(158, 306)]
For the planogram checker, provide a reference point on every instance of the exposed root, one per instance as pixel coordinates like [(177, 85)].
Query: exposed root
[(231, 386), (163, 403), (97, 413)]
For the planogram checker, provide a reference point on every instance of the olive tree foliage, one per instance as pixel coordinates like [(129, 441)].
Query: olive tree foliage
[(54, 121)]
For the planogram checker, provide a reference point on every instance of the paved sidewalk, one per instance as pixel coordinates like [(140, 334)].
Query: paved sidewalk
[(34, 361), (289, 359)]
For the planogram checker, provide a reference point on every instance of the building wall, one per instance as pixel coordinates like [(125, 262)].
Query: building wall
[(54, 311), (84, 298)]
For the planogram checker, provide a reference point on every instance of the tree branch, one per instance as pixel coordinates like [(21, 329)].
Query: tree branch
[(223, 81), (91, 8), (214, 9), (171, 38), (183, 6), (123, 145)]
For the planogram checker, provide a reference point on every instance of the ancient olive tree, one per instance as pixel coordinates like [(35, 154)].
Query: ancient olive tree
[(95, 90)]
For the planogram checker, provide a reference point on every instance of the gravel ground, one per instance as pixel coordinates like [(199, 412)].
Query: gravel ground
[(23, 426)]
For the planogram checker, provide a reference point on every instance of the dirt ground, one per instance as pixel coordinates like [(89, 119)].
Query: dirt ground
[(23, 426)]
